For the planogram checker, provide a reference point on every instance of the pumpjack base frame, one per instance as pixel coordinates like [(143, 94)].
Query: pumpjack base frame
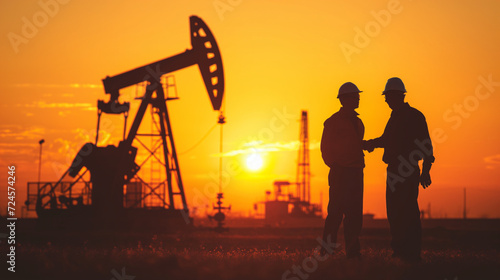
[(129, 220)]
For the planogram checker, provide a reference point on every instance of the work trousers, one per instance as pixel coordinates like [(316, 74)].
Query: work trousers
[(346, 203), (403, 212)]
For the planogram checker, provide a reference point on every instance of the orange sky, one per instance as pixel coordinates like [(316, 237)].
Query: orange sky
[(280, 57)]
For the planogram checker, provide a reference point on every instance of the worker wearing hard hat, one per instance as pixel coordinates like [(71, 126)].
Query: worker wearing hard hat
[(406, 141), (342, 151)]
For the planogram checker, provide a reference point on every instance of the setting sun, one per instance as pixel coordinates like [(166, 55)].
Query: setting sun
[(254, 162)]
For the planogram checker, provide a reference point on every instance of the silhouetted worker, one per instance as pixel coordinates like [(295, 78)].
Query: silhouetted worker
[(342, 151), (405, 141)]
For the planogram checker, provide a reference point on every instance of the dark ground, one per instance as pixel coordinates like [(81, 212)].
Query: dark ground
[(252, 253)]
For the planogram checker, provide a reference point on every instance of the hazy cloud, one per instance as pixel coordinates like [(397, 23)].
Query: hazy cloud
[(43, 105), (259, 147), (492, 162), (76, 85), (15, 132)]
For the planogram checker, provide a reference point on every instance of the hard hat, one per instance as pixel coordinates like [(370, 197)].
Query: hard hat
[(348, 88), (394, 84)]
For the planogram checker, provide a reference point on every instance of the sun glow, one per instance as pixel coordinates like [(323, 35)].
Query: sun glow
[(254, 162)]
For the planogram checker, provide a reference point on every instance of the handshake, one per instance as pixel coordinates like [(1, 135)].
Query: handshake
[(369, 145)]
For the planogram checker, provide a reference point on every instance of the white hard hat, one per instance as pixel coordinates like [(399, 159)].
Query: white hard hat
[(394, 84), (348, 88)]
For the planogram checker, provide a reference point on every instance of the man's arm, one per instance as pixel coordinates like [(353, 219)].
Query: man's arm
[(370, 145), (425, 177), (379, 142), (327, 142)]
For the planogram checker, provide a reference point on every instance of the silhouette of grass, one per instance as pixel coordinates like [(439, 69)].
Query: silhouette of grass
[(248, 254)]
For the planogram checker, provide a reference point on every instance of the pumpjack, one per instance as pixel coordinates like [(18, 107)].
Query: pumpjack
[(277, 210), (115, 193)]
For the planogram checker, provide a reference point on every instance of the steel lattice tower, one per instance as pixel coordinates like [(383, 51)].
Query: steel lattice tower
[(303, 170)]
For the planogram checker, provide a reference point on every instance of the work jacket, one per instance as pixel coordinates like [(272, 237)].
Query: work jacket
[(342, 140), (406, 138)]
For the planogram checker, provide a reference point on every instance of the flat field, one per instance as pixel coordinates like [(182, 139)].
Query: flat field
[(247, 253)]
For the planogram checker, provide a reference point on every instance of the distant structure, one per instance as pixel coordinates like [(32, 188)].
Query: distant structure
[(288, 206), (303, 166), (426, 213)]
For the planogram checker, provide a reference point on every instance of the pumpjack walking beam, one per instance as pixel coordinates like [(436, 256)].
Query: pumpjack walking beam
[(205, 53), (303, 166)]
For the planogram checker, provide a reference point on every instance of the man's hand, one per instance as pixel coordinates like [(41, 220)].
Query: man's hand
[(425, 179), (368, 145)]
